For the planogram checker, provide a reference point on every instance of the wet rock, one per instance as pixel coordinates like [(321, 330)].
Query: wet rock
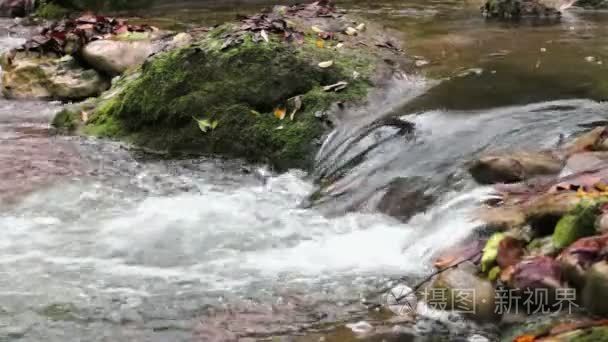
[(514, 167), (48, 78), (502, 218), (449, 290), (514, 9), (537, 273), (594, 140), (586, 161), (595, 291), (470, 250), (114, 57), (405, 198), (577, 258), (16, 8)]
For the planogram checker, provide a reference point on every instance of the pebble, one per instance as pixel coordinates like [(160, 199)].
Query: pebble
[(360, 328)]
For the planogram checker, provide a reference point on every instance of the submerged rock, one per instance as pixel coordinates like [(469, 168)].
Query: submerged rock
[(514, 9), (405, 198), (27, 77), (514, 167)]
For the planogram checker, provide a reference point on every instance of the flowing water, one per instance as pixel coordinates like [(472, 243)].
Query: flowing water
[(103, 243)]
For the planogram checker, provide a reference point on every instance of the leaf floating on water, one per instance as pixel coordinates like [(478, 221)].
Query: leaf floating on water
[(326, 64), (316, 29), (265, 36), (336, 87), (296, 102), (279, 113), (320, 43)]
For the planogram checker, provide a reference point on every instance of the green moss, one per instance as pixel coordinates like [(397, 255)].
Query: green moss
[(66, 120), (490, 251), (239, 87), (51, 11), (577, 224), (60, 312), (592, 335)]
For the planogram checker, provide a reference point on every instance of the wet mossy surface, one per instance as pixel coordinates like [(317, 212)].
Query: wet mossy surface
[(238, 88)]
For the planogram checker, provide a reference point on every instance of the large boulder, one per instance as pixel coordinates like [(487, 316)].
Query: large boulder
[(114, 57), (27, 77), (253, 90), (16, 8)]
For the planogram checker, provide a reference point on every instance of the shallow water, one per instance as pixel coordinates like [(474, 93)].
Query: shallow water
[(102, 243)]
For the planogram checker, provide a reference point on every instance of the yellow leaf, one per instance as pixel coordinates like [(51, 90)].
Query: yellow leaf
[(326, 64), (280, 112), (320, 43)]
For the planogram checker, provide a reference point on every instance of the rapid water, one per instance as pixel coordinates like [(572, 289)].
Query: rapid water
[(103, 243)]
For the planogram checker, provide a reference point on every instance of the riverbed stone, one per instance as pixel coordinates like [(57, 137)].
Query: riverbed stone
[(406, 197), (450, 288), (595, 292), (514, 167), (114, 57), (35, 77)]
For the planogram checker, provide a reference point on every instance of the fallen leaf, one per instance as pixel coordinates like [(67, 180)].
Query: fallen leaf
[(255, 112), (360, 27), (326, 64), (351, 31), (336, 87), (205, 124), (279, 113), (316, 29), (84, 116), (320, 43), (265, 36), (339, 45), (296, 104)]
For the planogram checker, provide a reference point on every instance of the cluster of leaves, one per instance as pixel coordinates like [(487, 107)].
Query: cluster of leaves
[(275, 22), (61, 37)]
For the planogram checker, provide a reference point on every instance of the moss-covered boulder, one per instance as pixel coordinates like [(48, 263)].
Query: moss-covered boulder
[(241, 93)]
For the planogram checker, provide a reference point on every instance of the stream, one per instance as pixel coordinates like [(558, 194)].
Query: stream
[(104, 243)]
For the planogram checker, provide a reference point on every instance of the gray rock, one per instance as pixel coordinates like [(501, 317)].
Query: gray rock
[(514, 167), (31, 77), (114, 57), (596, 288), (405, 198), (456, 285)]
